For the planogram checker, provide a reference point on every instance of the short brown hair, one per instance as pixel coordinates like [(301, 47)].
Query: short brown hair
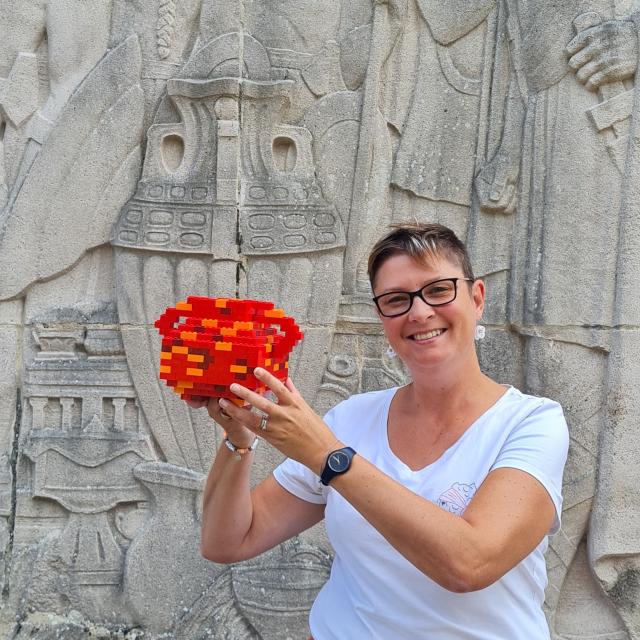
[(421, 241)]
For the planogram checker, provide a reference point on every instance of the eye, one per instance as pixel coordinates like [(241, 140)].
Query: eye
[(439, 290), (394, 300)]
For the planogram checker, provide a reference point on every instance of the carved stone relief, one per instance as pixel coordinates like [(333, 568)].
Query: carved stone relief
[(154, 150)]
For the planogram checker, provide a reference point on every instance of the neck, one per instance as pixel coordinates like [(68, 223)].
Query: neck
[(447, 390)]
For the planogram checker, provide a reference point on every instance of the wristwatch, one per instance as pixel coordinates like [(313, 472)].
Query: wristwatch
[(338, 462)]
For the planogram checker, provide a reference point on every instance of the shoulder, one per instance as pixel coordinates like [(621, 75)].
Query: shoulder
[(533, 430), (521, 408)]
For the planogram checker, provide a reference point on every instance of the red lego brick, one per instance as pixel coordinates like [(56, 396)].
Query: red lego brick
[(209, 343)]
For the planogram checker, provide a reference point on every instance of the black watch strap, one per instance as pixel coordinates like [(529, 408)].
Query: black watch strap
[(338, 462)]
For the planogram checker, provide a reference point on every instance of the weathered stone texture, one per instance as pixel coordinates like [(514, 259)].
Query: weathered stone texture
[(154, 149)]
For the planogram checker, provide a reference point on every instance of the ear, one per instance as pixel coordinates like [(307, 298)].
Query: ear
[(478, 295)]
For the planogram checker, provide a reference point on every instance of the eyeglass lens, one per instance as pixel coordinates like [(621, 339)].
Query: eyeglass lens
[(434, 293)]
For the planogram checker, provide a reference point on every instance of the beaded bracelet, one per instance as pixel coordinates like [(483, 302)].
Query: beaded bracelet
[(240, 451)]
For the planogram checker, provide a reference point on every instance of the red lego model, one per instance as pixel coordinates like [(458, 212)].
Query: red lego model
[(209, 343)]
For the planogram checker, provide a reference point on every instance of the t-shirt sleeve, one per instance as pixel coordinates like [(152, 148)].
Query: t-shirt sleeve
[(300, 480), (539, 446)]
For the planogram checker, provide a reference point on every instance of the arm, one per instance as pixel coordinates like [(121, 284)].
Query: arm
[(497, 181), (508, 517), (238, 523)]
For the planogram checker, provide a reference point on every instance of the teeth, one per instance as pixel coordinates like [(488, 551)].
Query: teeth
[(429, 334)]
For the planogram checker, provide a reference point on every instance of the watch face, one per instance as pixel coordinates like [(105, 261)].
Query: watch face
[(338, 461)]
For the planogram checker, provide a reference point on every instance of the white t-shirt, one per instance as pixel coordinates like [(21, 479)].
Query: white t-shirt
[(373, 591)]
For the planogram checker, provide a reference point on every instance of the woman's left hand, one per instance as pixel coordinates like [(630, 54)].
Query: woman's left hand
[(291, 425)]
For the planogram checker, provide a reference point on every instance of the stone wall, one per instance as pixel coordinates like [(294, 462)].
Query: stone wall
[(154, 149)]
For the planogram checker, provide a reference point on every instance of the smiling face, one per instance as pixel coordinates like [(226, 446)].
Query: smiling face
[(425, 336)]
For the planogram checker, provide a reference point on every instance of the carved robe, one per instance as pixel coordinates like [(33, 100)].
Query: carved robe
[(562, 296), (436, 156)]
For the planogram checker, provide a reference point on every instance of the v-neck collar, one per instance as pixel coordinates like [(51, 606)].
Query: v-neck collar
[(384, 430)]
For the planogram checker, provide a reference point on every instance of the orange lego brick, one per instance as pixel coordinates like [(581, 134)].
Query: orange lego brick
[(237, 369)]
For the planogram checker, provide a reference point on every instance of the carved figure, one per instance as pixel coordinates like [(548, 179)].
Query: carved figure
[(61, 181), (439, 132), (372, 160), (36, 240), (566, 130), (35, 34)]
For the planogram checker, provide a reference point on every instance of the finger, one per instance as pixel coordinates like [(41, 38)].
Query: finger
[(216, 411), (197, 402), (492, 207), (589, 69), (272, 382), (218, 414), (511, 207), (238, 414), (583, 56), (509, 199), (253, 398), (608, 74), (496, 192), (579, 42)]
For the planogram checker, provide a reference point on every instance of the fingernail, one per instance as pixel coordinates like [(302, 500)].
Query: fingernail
[(234, 387), (223, 402), (258, 371)]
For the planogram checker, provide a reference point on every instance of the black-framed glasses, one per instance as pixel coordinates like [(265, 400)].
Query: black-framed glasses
[(435, 294)]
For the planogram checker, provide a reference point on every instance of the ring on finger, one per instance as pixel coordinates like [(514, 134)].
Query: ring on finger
[(263, 422)]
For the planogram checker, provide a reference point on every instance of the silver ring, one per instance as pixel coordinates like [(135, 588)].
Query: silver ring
[(263, 422)]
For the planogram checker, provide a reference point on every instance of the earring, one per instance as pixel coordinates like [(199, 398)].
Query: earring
[(391, 353), (480, 332)]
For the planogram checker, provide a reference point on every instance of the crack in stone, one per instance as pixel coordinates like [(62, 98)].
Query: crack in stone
[(13, 463)]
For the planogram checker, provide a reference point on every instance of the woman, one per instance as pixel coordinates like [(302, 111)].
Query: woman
[(438, 496)]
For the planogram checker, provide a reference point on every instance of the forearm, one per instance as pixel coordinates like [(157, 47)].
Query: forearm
[(227, 509), (445, 547)]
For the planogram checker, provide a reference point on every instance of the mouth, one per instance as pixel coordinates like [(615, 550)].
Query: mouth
[(427, 335)]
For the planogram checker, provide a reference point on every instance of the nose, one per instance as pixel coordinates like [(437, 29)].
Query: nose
[(420, 310)]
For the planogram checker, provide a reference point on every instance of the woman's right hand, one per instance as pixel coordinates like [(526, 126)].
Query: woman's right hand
[(237, 433)]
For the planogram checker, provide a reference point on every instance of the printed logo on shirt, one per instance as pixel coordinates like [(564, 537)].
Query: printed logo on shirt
[(457, 497)]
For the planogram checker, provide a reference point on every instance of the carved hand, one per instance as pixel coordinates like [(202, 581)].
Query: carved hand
[(605, 53), (496, 184)]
